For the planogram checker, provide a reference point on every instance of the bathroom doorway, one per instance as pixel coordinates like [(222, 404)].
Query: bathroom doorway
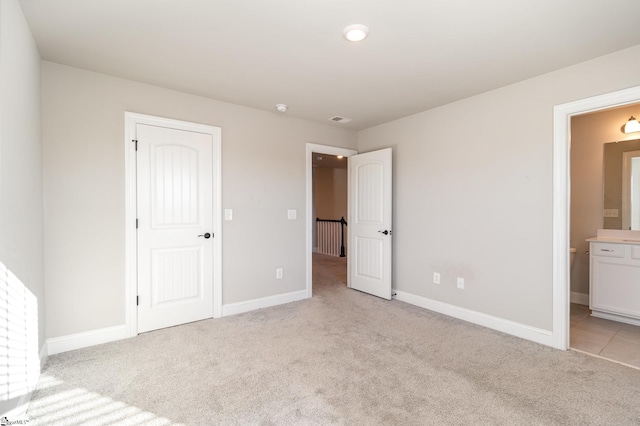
[(596, 200), (562, 115)]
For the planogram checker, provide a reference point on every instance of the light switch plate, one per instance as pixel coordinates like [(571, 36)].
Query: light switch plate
[(292, 214), (610, 212), (228, 214)]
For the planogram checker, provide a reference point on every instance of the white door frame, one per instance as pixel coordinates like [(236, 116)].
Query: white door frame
[(562, 198), (131, 246), (320, 149)]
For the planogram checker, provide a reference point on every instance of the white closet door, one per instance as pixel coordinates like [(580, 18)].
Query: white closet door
[(175, 226)]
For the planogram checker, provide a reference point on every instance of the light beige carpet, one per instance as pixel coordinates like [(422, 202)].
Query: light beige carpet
[(342, 357)]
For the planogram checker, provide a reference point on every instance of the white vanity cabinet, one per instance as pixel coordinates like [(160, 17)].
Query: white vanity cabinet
[(614, 280)]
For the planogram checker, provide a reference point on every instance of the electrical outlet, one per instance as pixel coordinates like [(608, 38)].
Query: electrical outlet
[(461, 283), (279, 273), (436, 278)]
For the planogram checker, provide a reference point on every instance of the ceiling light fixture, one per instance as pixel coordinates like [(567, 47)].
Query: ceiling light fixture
[(281, 107), (632, 125), (356, 32)]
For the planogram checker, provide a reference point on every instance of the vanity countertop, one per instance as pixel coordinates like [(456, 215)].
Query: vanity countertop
[(614, 240), (616, 236)]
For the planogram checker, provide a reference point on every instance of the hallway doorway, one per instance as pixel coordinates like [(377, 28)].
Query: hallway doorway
[(329, 197), (330, 230)]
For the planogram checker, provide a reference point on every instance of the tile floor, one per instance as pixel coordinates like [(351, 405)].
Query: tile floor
[(609, 339)]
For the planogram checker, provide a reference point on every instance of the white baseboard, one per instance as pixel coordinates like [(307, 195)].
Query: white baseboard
[(614, 317), (88, 338), (265, 302), (505, 326), (580, 298), (72, 342)]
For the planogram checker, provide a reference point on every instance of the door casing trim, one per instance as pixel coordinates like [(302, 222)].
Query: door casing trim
[(131, 246)]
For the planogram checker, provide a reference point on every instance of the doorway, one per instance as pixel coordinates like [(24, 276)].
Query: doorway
[(330, 233), (334, 196), (369, 196), (601, 198), (561, 201)]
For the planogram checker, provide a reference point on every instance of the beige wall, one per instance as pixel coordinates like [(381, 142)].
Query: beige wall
[(330, 187), (589, 132), (21, 217), (263, 175), (473, 190), (474, 202)]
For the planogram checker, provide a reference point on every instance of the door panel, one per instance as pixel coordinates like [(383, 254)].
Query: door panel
[(369, 178), (175, 210), (370, 216), (370, 258), (176, 274), (174, 192)]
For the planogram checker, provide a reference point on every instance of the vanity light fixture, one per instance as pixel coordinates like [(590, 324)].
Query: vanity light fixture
[(632, 125), (340, 157), (356, 32)]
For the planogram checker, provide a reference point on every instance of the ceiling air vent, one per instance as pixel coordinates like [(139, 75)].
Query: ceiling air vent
[(338, 119)]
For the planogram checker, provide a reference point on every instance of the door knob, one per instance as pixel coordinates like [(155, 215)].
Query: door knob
[(385, 232), (206, 235)]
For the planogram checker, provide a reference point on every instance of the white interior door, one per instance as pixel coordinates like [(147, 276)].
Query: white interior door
[(175, 226), (369, 249)]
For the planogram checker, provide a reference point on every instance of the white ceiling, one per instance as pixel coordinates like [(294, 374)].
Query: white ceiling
[(420, 53)]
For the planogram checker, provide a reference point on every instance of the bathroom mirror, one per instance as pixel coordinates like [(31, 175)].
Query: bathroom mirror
[(621, 173)]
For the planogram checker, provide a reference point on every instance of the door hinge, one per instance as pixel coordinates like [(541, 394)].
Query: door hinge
[(136, 223), (137, 300), (136, 142)]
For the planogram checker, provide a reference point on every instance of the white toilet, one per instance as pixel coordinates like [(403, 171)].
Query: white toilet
[(572, 257)]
